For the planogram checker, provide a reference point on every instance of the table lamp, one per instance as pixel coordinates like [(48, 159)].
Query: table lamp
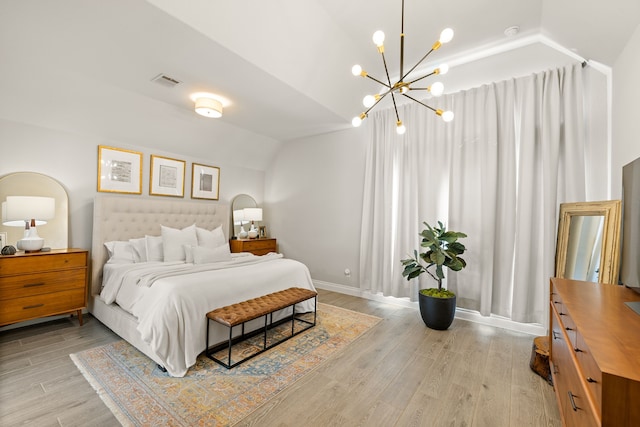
[(28, 211), (238, 219), (253, 214)]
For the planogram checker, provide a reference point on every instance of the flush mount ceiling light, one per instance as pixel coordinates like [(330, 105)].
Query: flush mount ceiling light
[(208, 107), (402, 87)]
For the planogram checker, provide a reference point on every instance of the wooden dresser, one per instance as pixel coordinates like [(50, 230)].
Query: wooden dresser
[(42, 284), (255, 246), (595, 353)]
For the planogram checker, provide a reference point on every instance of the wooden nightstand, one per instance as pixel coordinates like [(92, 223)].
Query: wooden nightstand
[(255, 246), (42, 284)]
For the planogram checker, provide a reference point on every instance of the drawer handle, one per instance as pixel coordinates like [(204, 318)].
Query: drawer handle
[(569, 329), (31, 285), (562, 314), (591, 380), (32, 306), (577, 350), (555, 335), (573, 403)]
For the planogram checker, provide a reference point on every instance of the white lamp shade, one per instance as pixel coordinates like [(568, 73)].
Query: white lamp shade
[(238, 217), (209, 107), (253, 214), (18, 209)]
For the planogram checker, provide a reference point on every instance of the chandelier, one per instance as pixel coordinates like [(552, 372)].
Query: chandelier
[(404, 84)]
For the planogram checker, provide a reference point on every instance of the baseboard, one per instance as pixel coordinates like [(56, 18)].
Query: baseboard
[(461, 313)]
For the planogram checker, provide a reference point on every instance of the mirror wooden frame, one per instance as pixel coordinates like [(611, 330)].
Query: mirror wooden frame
[(610, 253)]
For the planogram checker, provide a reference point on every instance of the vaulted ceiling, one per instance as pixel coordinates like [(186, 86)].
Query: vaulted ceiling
[(86, 66)]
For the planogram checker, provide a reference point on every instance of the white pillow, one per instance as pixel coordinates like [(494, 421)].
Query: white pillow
[(188, 253), (139, 249), (210, 239), (120, 252), (174, 239), (203, 255), (155, 251)]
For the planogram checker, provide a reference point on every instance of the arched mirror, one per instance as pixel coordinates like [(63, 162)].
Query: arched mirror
[(588, 246), (56, 231), (240, 202)]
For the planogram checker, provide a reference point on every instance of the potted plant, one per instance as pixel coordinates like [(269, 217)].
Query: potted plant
[(442, 249)]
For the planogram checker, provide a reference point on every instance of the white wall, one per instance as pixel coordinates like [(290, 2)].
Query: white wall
[(626, 114), (72, 160), (313, 198)]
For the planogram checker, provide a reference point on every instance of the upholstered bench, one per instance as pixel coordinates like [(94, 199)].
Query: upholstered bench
[(264, 306)]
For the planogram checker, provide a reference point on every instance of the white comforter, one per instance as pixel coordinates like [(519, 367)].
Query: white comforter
[(170, 300)]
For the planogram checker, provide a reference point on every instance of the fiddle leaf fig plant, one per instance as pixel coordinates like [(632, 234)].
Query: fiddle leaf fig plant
[(441, 249)]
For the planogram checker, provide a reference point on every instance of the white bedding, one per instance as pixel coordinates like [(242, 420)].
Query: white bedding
[(170, 300)]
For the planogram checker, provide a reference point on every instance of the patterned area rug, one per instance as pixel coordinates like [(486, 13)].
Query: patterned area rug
[(140, 394)]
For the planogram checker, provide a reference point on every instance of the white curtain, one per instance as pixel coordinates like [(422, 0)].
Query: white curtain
[(497, 172)]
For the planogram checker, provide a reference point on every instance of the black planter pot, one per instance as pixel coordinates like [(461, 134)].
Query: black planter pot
[(437, 313)]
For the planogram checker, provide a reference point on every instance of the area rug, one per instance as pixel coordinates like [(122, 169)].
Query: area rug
[(140, 394)]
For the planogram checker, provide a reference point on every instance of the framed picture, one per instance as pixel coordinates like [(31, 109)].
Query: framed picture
[(119, 171), (167, 177), (3, 239), (263, 231), (205, 182)]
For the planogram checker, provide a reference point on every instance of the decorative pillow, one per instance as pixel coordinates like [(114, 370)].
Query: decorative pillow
[(174, 239), (120, 252), (139, 249), (155, 252), (210, 239), (188, 253), (202, 255)]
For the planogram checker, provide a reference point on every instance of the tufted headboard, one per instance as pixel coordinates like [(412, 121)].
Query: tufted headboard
[(126, 217)]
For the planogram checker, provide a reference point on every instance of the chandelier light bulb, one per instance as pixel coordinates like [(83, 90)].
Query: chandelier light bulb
[(400, 130), (378, 38), (356, 121), (442, 69), (447, 116), (356, 70), (446, 35), (368, 101), (436, 89)]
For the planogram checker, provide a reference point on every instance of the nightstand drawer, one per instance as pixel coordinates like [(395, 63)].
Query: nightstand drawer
[(253, 245), (41, 283), (41, 262), (41, 305)]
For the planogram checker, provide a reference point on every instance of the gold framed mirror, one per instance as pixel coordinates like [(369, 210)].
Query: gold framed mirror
[(588, 245)]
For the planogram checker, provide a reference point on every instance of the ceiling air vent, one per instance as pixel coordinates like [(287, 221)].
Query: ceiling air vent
[(165, 80)]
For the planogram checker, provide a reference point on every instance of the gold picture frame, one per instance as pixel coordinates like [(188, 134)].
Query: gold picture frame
[(119, 170), (589, 240), (166, 177), (205, 182)]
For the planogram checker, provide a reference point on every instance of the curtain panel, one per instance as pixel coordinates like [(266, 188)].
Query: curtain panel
[(498, 172)]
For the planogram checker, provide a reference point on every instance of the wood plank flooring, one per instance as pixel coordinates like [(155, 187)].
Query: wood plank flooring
[(399, 374)]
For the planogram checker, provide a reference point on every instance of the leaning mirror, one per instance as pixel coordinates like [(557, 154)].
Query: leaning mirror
[(238, 203), (55, 232), (588, 246)]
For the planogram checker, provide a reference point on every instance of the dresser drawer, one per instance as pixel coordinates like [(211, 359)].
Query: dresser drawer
[(44, 262), (32, 307), (41, 283), (590, 370), (573, 400)]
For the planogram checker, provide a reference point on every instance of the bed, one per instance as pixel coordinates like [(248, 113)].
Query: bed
[(160, 306)]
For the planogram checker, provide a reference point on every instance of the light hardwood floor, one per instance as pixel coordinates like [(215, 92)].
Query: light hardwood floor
[(399, 374)]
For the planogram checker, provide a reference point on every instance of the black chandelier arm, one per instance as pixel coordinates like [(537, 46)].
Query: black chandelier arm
[(417, 63), (402, 41), (379, 81), (423, 77), (395, 107), (386, 70), (420, 102)]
